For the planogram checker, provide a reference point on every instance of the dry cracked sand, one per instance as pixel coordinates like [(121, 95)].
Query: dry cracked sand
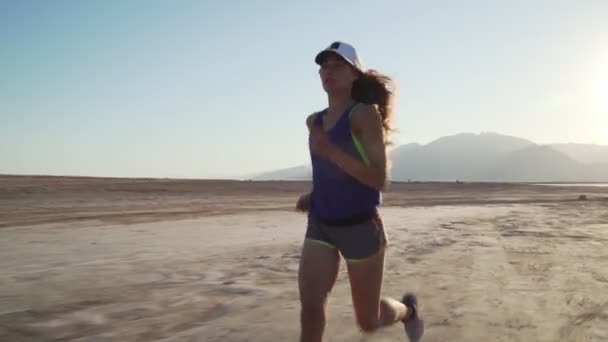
[(161, 260)]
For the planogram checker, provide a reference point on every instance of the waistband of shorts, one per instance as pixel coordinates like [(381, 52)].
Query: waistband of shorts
[(348, 221)]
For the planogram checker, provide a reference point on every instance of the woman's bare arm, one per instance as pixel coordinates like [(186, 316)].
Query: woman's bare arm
[(367, 125)]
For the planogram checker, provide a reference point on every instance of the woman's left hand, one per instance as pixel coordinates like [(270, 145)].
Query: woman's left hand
[(321, 145)]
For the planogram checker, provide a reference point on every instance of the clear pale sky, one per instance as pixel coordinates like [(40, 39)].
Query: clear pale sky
[(220, 89)]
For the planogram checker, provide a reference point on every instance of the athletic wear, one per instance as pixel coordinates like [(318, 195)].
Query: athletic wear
[(356, 240), (414, 325), (344, 50), (336, 195), (343, 211)]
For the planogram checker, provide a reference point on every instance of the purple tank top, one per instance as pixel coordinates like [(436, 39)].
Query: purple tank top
[(336, 195)]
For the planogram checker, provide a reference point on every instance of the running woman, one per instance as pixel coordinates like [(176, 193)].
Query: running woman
[(348, 148)]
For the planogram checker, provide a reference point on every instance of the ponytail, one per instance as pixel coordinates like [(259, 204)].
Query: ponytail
[(372, 87)]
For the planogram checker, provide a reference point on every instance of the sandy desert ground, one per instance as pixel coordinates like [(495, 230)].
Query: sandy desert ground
[(91, 259)]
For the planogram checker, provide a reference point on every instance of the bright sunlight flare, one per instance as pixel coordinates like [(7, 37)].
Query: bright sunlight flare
[(602, 91), (601, 100)]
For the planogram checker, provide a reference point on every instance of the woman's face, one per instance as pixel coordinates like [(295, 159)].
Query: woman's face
[(337, 75)]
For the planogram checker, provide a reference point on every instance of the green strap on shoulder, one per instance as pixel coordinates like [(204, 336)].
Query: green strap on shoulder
[(357, 142)]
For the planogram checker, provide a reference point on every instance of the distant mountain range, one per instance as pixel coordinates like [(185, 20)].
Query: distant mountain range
[(486, 157)]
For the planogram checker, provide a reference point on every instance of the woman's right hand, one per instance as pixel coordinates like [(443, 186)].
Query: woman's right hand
[(303, 203)]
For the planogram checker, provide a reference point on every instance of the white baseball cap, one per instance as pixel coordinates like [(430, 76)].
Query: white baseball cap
[(344, 50)]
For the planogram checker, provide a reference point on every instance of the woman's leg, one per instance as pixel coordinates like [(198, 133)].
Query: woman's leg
[(317, 275), (372, 311)]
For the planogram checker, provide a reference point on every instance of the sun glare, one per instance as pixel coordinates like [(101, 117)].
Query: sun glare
[(600, 102), (602, 91)]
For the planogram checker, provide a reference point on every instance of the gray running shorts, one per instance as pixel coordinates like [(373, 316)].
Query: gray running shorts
[(356, 240)]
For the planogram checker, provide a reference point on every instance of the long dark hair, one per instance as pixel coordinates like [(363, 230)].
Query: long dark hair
[(375, 88)]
